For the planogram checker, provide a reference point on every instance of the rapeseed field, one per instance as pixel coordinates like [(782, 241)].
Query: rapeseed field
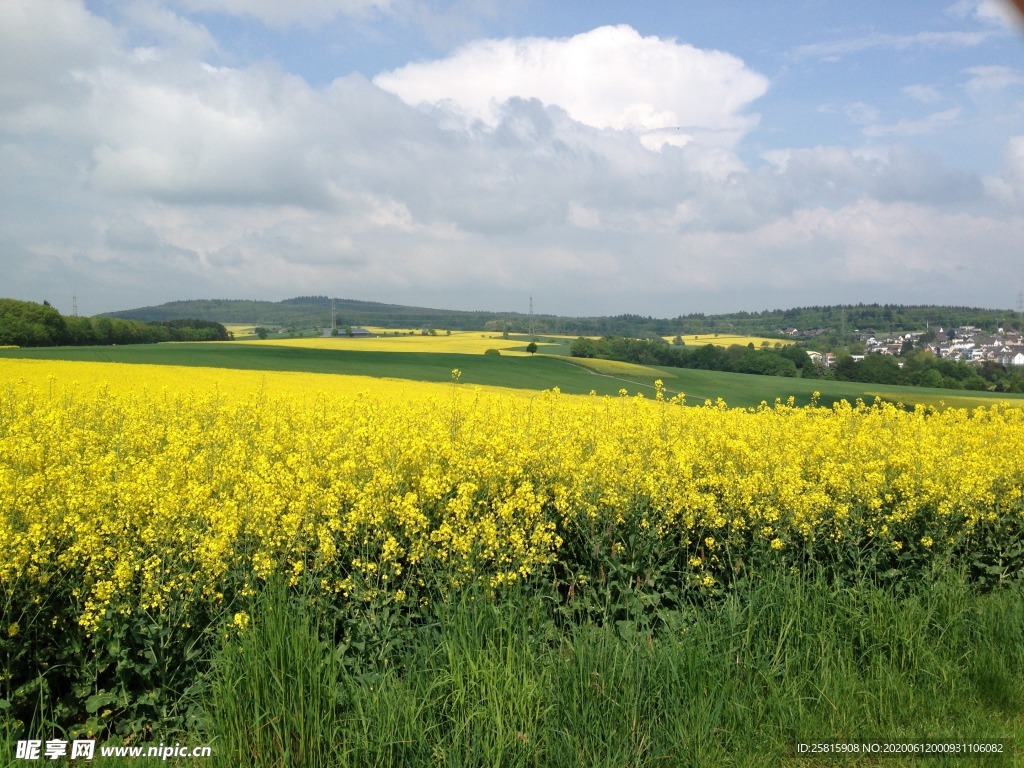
[(138, 502), (461, 342), (137, 498), (728, 339)]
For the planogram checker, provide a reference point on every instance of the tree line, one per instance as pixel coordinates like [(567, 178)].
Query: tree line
[(28, 324), (836, 324), (920, 368), (789, 360)]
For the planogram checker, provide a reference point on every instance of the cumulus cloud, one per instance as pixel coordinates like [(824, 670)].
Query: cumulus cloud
[(837, 176), (899, 252), (205, 134), (1008, 187), (42, 45), (137, 174), (609, 78)]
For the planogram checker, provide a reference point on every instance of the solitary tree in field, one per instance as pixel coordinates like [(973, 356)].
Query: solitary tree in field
[(531, 347)]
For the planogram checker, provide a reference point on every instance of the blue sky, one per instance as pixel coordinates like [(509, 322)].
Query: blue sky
[(603, 157)]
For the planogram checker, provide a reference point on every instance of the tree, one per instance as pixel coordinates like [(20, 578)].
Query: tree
[(797, 354), (845, 368), (583, 347), (103, 329), (531, 347), (710, 358), (260, 331), (878, 369), (27, 324), (816, 370), (765, 363), (79, 330)]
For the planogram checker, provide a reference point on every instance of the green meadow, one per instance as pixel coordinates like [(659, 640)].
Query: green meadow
[(539, 372)]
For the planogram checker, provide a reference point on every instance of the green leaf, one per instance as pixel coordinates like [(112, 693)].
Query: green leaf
[(97, 700)]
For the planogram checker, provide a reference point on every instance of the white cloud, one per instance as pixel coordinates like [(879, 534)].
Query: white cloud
[(987, 79), (837, 49), (889, 252), (911, 127), (1008, 186), (282, 14), (42, 43), (860, 112), (995, 12), (610, 78), (174, 32), (834, 177), (135, 172), (924, 94), (203, 134)]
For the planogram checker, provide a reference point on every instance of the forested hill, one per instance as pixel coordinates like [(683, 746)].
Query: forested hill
[(315, 312)]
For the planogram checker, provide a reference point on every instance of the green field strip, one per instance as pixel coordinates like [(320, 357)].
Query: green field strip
[(537, 373)]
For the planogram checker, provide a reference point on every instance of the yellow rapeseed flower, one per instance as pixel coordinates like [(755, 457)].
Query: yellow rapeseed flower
[(142, 494)]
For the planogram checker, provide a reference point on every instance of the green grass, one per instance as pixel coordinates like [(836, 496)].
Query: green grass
[(532, 373), (737, 683), (275, 697), (479, 681)]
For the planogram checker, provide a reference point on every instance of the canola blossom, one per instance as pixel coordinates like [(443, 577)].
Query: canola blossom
[(119, 499)]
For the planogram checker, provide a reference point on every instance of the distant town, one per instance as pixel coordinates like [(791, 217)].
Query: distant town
[(966, 344)]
